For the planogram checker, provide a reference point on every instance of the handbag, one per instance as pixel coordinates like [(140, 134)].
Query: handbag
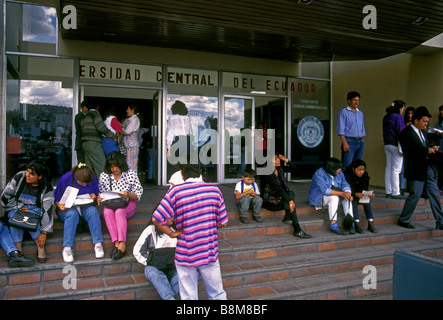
[(271, 196), (25, 220), (116, 203)]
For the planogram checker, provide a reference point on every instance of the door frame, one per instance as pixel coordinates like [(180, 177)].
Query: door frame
[(221, 157)]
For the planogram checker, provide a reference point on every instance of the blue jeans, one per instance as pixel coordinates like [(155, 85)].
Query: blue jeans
[(211, 276), (70, 218), (6, 240), (356, 151), (166, 284), (367, 207)]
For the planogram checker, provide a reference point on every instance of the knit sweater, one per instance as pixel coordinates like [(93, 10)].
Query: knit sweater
[(93, 127)]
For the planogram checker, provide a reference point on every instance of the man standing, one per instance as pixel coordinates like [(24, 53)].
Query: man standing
[(198, 210), (92, 128), (351, 130), (418, 171)]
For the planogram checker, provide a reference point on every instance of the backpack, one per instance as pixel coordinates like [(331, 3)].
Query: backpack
[(242, 188)]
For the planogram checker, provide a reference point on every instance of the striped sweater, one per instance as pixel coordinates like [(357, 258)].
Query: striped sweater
[(93, 127), (197, 208)]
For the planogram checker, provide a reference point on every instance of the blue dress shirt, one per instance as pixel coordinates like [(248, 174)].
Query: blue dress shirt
[(350, 123)]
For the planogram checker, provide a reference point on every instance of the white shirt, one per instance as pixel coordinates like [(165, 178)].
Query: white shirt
[(177, 178), (177, 126), (246, 187)]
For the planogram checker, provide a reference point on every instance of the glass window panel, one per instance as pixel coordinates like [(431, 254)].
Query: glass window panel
[(198, 90), (310, 124), (39, 113), (31, 28)]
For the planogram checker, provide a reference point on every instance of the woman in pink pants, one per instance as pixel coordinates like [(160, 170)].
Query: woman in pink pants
[(117, 177)]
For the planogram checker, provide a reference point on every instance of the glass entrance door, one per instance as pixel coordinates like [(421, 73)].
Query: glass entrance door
[(238, 148), (111, 99)]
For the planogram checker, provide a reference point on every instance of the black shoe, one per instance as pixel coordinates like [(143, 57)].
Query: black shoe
[(287, 220), (119, 254), (18, 260), (399, 197), (439, 227), (302, 234), (351, 231), (389, 196), (41, 260), (371, 227), (406, 225), (113, 252), (338, 231), (244, 220), (358, 229), (258, 219)]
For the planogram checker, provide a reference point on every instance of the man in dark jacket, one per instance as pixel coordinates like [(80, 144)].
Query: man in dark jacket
[(418, 170)]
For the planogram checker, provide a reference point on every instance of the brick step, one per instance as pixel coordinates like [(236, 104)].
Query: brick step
[(325, 276), (124, 278), (272, 226)]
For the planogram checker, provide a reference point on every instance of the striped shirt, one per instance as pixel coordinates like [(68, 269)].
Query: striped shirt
[(92, 127), (197, 208)]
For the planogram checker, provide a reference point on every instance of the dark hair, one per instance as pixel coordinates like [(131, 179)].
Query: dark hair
[(40, 169), (179, 108), (116, 159), (396, 106), (190, 171), (83, 173), (248, 173), (332, 165), (407, 112), (421, 112), (357, 163), (440, 118), (133, 107), (352, 94)]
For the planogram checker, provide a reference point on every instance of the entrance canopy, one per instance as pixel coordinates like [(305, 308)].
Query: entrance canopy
[(290, 30)]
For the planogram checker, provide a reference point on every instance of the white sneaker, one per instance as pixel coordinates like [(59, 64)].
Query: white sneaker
[(99, 253), (67, 254)]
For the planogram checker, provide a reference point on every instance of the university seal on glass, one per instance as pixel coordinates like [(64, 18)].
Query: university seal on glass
[(310, 132)]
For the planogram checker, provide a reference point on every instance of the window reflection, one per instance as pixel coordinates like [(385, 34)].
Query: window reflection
[(202, 120), (39, 125)]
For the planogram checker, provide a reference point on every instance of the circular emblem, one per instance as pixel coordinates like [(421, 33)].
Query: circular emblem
[(199, 122), (310, 132)]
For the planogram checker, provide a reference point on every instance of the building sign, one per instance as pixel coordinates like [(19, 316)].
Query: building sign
[(124, 73)]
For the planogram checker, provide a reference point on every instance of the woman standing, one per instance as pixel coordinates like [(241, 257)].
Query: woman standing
[(277, 196), (393, 123), (31, 191), (131, 126), (82, 178), (117, 177)]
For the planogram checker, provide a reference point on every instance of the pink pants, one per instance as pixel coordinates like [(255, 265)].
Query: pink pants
[(117, 221)]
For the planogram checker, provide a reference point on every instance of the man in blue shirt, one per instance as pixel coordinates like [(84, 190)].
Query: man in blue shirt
[(351, 130)]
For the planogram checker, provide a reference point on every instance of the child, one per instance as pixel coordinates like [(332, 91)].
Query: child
[(247, 193), (358, 179)]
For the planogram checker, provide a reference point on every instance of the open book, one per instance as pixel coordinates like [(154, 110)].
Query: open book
[(365, 198), (70, 198), (108, 195)]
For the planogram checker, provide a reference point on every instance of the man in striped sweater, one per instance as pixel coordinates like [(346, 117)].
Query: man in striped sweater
[(92, 128), (198, 210)]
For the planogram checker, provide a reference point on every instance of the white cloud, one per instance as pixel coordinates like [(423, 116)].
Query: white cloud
[(45, 92)]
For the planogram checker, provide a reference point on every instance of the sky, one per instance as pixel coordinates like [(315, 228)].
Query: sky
[(39, 24)]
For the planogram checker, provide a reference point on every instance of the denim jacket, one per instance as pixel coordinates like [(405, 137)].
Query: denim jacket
[(321, 185)]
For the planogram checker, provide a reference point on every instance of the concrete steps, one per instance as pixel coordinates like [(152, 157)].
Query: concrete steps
[(259, 261)]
